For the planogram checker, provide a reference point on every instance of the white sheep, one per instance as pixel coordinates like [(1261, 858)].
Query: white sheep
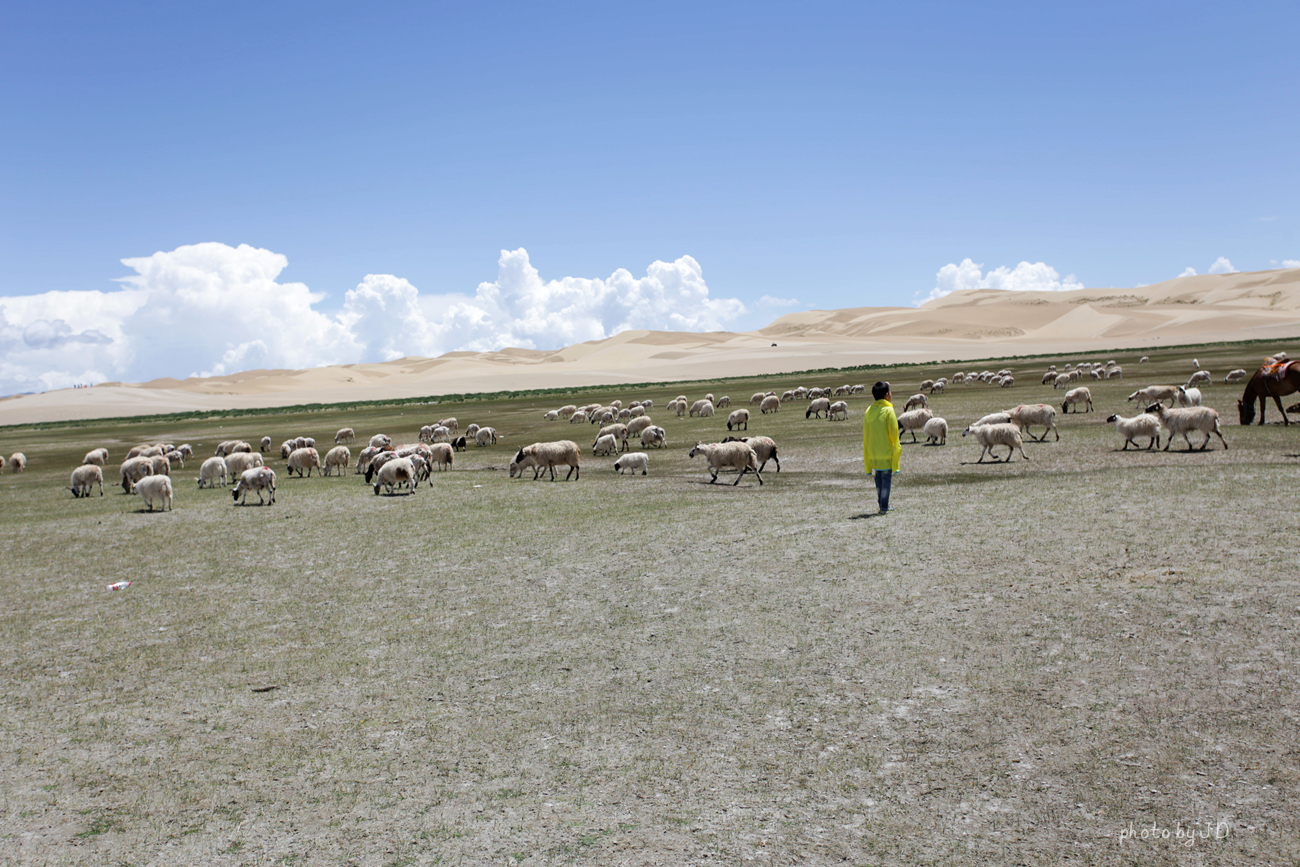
[(440, 434), (98, 457), (1237, 375), (518, 466), (1074, 397), (380, 441), (567, 410), (638, 424), (441, 455), (472, 431), (817, 406), (212, 469), (240, 461), (368, 454), (914, 421), (184, 448), (1143, 360), (303, 459), (764, 448), (257, 479), (990, 435), (1144, 425), (633, 461), (994, 418), (839, 410), (133, 470), (916, 401), (1200, 376), (1180, 422), (1007, 381), (84, 476), (605, 445), (1032, 415), (938, 387), (175, 458), (337, 458), (734, 455), (703, 408), (1062, 380), (265, 444), (395, 473), (654, 436), (161, 466), (618, 431), (345, 435), (1187, 397), (936, 431), (786, 397), (770, 403), (450, 423), (926, 383), (1154, 392), (737, 418), (155, 488), (724, 402), (548, 456), (637, 412), (577, 417), (1050, 376), (486, 436)]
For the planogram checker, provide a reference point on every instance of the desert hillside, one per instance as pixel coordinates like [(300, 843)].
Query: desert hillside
[(970, 324)]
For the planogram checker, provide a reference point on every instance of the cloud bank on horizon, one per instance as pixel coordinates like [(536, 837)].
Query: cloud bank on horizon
[(210, 309), (1025, 277)]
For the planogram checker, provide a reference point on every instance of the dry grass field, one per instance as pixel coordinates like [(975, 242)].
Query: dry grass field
[(1073, 660)]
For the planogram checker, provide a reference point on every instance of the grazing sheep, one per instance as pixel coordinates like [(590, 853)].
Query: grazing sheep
[(155, 489), (98, 457), (212, 469), (735, 455), (380, 441), (368, 454), (858, 389), (345, 435), (800, 393), (916, 401), (161, 466), (133, 470), (303, 459), (548, 456), (441, 456), (618, 431), (633, 461), (737, 418), (518, 466), (237, 463), (1050, 376), (287, 447), (938, 387), (636, 412), (1076, 396), (566, 411), (450, 424), (1095, 374), (1027, 416), (703, 408), (266, 444), (1143, 360), (1144, 425), (914, 421), (839, 410), (764, 448), (441, 434), (771, 403), (654, 436), (1154, 392), (1007, 381), (84, 476), (817, 407), (486, 436), (814, 393), (1237, 375), (472, 431), (936, 431), (1180, 422), (1187, 397), (1201, 376), (395, 473), (638, 424), (577, 417), (257, 479), (786, 396), (605, 445), (1062, 380), (239, 447), (926, 383), (337, 458), (648, 404), (724, 402), (175, 458), (990, 435)]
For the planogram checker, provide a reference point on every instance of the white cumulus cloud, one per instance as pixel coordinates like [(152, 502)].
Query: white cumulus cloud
[(1025, 277), (1189, 271), (211, 309), (1291, 263), (1221, 266)]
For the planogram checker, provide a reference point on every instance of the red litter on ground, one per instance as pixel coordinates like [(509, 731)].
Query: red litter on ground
[(120, 585)]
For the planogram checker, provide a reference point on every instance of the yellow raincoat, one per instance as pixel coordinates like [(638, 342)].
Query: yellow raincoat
[(880, 446)]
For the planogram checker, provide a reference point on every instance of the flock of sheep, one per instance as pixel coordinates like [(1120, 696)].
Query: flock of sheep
[(146, 469)]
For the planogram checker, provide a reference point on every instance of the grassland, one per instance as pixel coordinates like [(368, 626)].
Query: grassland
[(1018, 665)]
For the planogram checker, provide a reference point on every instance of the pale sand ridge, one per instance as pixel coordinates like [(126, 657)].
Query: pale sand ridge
[(970, 324)]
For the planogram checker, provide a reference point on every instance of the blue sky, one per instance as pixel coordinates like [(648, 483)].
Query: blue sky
[(829, 154)]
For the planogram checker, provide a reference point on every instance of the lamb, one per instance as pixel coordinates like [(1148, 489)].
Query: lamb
[(345, 435), (303, 459), (771, 403), (838, 409), (337, 458), (266, 444), (633, 461), (547, 456), (441, 456), (764, 449), (1201, 376), (237, 463), (257, 479), (916, 401), (441, 434), (368, 454), (936, 431), (703, 408), (486, 436), (395, 473), (133, 470), (380, 441), (1155, 392), (1237, 375), (724, 402), (212, 469), (654, 436), (97, 456), (1025, 417), (1188, 397), (990, 435), (914, 421), (737, 418), (817, 407), (175, 458), (84, 476), (155, 488), (605, 445), (619, 431), (517, 467), (1180, 422), (1076, 396), (1144, 425), (734, 455)]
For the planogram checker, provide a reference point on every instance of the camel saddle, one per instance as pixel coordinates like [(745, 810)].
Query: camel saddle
[(1275, 369)]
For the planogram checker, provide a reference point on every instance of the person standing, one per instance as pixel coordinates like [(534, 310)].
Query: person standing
[(880, 446)]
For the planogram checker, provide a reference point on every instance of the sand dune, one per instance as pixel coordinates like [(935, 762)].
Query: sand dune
[(970, 324)]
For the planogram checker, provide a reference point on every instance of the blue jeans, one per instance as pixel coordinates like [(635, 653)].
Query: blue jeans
[(884, 479)]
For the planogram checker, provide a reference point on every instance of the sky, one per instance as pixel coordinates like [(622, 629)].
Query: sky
[(201, 188)]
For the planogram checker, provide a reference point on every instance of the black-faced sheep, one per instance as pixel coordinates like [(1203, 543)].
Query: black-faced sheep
[(395, 473), (86, 476), (1131, 429), (633, 461), (548, 456), (1180, 422)]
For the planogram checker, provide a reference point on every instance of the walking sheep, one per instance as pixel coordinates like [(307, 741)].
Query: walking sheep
[(914, 421), (1237, 375), (85, 476), (839, 411), (257, 479), (1154, 392), (734, 455), (764, 448), (1144, 425), (1188, 397), (155, 488), (990, 435), (654, 436), (548, 456), (1026, 416), (1180, 422), (633, 461), (17, 462)]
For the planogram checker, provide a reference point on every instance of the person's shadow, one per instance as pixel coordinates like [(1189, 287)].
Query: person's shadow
[(866, 515)]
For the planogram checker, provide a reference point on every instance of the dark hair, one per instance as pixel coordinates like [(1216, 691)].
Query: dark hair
[(879, 390)]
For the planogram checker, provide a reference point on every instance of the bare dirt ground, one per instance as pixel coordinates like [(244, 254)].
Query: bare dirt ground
[(1080, 659)]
